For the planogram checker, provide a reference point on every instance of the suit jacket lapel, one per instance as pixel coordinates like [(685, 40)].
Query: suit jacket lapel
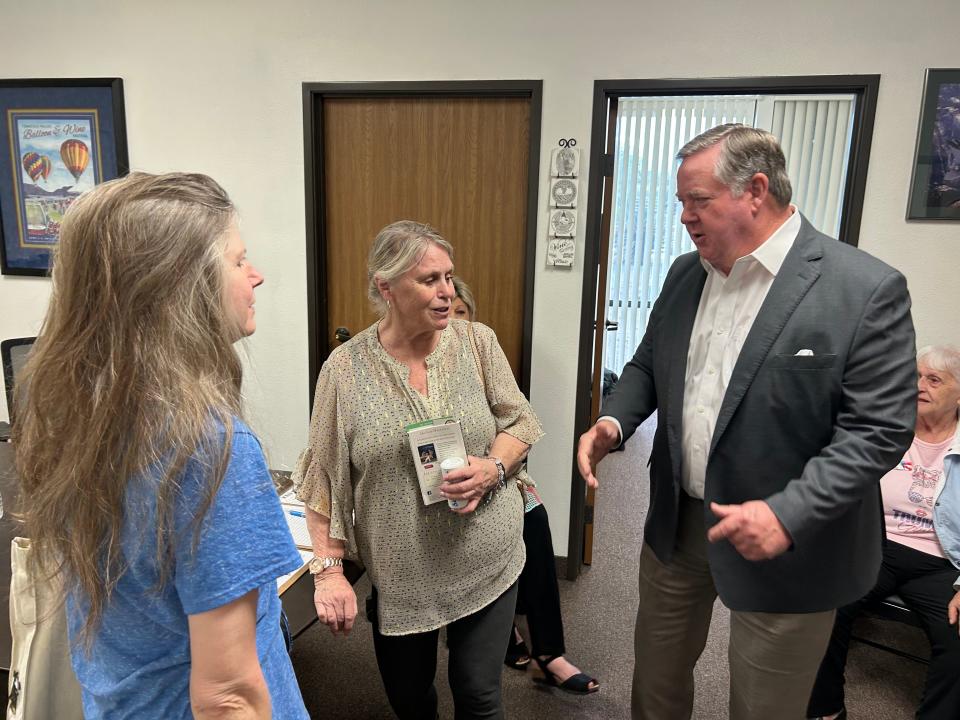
[(799, 271), (682, 315)]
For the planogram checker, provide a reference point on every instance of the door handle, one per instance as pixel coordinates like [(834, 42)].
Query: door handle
[(341, 334), (610, 325)]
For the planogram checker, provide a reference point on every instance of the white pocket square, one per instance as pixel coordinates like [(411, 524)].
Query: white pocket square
[(805, 352)]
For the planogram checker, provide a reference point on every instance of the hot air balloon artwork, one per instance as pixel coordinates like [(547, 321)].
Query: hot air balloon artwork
[(75, 155), (62, 139), (38, 166)]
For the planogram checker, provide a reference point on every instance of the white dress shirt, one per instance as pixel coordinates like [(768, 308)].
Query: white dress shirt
[(728, 306)]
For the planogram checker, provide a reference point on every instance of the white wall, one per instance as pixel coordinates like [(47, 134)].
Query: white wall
[(215, 86)]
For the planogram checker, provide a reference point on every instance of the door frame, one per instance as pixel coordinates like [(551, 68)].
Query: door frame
[(314, 93), (865, 88)]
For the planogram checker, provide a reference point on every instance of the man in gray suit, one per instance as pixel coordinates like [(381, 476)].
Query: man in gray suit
[(781, 366)]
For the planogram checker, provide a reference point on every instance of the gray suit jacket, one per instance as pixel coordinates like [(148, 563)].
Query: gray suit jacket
[(810, 435)]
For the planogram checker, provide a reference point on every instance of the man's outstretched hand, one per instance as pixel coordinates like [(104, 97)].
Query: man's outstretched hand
[(595, 443)]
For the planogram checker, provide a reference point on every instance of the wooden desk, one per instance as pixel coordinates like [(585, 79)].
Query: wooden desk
[(9, 529)]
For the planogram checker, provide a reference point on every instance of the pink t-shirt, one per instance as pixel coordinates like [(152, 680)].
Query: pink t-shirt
[(908, 492)]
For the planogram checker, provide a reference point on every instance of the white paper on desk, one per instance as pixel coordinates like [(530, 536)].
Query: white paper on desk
[(298, 527), (432, 442), (290, 498)]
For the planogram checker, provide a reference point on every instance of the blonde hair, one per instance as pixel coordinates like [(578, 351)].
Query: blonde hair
[(134, 369), (464, 293), (396, 249)]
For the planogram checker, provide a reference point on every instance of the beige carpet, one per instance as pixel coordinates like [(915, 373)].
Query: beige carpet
[(339, 676)]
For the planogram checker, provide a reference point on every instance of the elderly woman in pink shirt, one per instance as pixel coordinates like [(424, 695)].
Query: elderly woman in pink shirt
[(921, 504)]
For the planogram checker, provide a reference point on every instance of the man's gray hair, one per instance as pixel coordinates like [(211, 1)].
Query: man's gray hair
[(945, 358), (745, 152)]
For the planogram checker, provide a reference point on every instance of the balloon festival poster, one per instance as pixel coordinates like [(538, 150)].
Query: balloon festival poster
[(59, 137), (57, 158)]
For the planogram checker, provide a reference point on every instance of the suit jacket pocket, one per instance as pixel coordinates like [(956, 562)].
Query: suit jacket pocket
[(803, 362)]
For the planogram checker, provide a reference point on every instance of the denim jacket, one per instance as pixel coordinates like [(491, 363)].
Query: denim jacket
[(946, 507)]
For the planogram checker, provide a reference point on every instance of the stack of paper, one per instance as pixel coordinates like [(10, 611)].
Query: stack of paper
[(296, 515)]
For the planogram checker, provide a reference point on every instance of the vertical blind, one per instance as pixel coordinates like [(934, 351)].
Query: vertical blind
[(815, 137), (646, 235)]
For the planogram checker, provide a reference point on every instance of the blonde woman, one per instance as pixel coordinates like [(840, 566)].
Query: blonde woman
[(430, 566), (142, 487)]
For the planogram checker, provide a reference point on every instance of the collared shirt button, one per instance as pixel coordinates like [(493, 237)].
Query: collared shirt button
[(700, 409), (710, 371)]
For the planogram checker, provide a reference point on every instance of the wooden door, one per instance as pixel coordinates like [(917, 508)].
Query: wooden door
[(460, 164)]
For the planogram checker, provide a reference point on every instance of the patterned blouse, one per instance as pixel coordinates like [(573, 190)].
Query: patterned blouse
[(430, 566)]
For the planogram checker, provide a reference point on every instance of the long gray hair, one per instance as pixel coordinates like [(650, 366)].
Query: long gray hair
[(134, 368)]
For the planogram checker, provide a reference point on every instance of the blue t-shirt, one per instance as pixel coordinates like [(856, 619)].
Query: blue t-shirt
[(139, 664)]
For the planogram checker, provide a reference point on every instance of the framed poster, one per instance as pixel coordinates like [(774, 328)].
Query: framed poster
[(58, 138), (935, 185)]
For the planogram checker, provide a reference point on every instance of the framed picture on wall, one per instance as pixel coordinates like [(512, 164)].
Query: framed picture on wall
[(935, 186), (58, 138)]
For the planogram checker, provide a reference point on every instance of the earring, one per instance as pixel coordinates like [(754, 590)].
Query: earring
[(388, 304)]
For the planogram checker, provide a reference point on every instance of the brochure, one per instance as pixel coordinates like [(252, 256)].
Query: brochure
[(432, 442)]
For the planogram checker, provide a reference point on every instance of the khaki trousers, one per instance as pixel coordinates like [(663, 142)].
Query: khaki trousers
[(773, 657)]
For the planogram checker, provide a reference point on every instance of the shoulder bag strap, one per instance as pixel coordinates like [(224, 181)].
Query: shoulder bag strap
[(476, 356)]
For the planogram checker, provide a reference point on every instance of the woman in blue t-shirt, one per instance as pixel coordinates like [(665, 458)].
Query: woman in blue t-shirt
[(143, 490)]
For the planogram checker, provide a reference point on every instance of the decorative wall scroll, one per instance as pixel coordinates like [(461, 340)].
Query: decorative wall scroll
[(563, 196), (565, 160), (563, 223), (560, 252), (563, 193)]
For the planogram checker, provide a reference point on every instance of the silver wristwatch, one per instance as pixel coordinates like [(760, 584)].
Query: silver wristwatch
[(319, 564)]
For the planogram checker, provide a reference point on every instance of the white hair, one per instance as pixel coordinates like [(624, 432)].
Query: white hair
[(945, 358)]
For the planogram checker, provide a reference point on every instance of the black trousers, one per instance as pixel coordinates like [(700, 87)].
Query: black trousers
[(925, 583), (477, 644), (539, 595)]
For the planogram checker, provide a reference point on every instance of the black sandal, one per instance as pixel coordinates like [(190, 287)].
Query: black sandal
[(517, 657), (579, 684)]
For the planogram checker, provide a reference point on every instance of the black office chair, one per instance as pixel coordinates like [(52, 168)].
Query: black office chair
[(13, 354), (892, 608)]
